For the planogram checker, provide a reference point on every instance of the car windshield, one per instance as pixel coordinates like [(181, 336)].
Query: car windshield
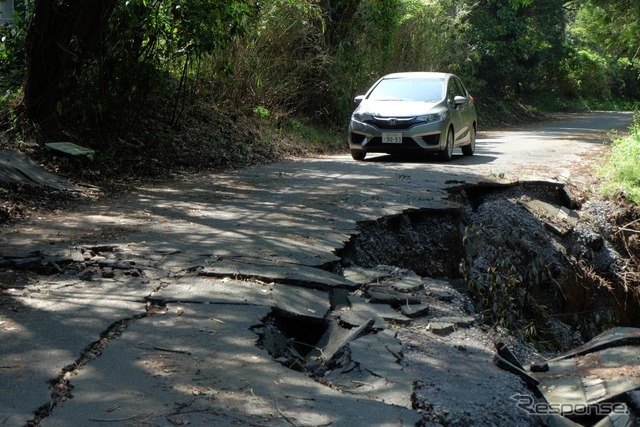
[(408, 89)]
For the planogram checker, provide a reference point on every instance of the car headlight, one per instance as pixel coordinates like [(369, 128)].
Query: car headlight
[(429, 118), (362, 117)]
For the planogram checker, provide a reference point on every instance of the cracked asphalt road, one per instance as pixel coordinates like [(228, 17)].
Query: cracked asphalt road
[(150, 317)]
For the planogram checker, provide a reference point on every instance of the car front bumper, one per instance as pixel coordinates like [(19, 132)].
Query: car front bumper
[(424, 137)]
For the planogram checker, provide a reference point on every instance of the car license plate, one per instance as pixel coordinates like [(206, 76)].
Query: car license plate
[(392, 138)]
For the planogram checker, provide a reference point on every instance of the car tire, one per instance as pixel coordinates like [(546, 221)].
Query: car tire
[(468, 150), (447, 154), (358, 155)]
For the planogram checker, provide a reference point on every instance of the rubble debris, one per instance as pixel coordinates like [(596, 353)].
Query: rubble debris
[(415, 310), (596, 384), (332, 342), (409, 284), (364, 276), (393, 298), (441, 328)]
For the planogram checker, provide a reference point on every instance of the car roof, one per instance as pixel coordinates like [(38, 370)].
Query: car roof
[(417, 74)]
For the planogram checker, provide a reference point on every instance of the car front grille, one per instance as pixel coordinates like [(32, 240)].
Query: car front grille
[(393, 123)]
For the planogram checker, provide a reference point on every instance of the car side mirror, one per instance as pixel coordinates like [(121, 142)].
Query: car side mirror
[(460, 100), (358, 99)]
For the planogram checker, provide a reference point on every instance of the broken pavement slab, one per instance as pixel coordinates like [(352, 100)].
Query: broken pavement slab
[(613, 337), (376, 370), (605, 369), (410, 283), (334, 341), (70, 149), (559, 219), (191, 370), (600, 379), (295, 274), (364, 276), (414, 310), (446, 325), (360, 311), (311, 303), (383, 295), (16, 167)]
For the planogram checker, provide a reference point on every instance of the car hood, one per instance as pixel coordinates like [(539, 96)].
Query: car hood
[(399, 108)]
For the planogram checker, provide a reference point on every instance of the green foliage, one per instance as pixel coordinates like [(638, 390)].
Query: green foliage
[(308, 59), (261, 112), (604, 62), (12, 64), (299, 137), (276, 63), (519, 48), (589, 74), (142, 46), (433, 36), (622, 168)]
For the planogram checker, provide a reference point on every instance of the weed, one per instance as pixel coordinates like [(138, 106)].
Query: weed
[(261, 112)]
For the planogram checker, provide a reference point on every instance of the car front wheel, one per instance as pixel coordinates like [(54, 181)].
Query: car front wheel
[(358, 155), (447, 154), (468, 150)]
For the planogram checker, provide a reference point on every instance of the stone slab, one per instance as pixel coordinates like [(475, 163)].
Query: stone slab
[(18, 168), (361, 311), (409, 284), (305, 302), (378, 371), (414, 310), (70, 149), (296, 274), (364, 276)]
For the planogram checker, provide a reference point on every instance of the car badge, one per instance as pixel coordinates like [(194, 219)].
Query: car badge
[(393, 122)]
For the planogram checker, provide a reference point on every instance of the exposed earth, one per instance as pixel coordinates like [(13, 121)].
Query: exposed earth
[(329, 301)]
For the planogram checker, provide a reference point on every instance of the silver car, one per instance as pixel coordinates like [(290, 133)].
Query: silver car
[(414, 112)]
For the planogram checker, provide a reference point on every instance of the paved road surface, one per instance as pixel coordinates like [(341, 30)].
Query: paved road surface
[(221, 251)]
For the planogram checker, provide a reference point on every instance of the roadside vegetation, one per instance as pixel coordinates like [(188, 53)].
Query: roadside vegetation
[(621, 171)]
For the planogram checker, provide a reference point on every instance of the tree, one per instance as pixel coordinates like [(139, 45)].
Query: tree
[(605, 41), (520, 48), (99, 51), (62, 34)]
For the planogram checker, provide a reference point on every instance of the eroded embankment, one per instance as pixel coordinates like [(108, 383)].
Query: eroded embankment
[(529, 255)]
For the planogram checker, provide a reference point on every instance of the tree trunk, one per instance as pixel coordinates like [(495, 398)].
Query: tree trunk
[(62, 34)]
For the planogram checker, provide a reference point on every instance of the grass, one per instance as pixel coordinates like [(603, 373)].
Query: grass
[(621, 171)]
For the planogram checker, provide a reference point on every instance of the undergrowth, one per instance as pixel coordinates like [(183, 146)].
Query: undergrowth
[(621, 170)]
